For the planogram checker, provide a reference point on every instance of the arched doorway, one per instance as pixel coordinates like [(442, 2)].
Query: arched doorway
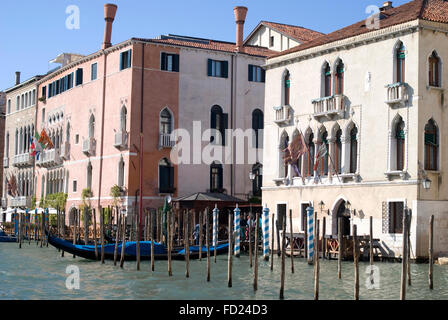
[(72, 217), (341, 212)]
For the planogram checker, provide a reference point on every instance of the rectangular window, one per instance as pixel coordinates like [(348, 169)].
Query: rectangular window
[(79, 77), (94, 71), (170, 62), (271, 41), (396, 210), (256, 74), (9, 107), (219, 69), (77, 139), (44, 92), (75, 186), (281, 216), (304, 215), (125, 59), (50, 90)]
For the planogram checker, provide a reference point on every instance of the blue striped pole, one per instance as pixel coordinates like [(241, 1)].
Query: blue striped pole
[(310, 215), (236, 219), (266, 232), (27, 219), (215, 226), (16, 223)]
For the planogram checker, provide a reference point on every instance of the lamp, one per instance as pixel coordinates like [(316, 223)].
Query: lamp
[(251, 176), (321, 205), (426, 183)]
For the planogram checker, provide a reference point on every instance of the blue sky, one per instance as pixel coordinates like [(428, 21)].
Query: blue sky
[(34, 32)]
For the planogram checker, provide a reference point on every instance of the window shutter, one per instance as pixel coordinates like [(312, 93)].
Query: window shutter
[(385, 218), (221, 176), (176, 63), (129, 58), (210, 62), (225, 126), (251, 68), (263, 75), (171, 181), (121, 61), (225, 69), (163, 61)]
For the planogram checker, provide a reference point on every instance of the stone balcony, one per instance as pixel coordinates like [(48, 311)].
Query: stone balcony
[(65, 151), (22, 160), (88, 146), (165, 140), (329, 107), (397, 94), (5, 162), (49, 158), (283, 114), (121, 140), (23, 202)]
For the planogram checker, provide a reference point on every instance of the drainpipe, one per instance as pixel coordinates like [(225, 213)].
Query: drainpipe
[(232, 105), (102, 128), (141, 144)]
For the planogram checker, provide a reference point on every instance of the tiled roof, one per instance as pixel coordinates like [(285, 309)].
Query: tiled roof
[(212, 45), (431, 10), (300, 34)]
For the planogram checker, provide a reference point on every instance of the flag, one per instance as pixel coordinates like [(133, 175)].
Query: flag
[(295, 150), (12, 186), (36, 147), (45, 140), (320, 154)]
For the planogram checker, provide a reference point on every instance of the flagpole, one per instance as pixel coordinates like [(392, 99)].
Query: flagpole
[(334, 169)]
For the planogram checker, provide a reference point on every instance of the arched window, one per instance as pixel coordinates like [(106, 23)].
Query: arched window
[(18, 103), (323, 165), (216, 177), (257, 125), (310, 156), (287, 89), (284, 143), (42, 191), (431, 146), (89, 176), (327, 80), (7, 145), (337, 155), (339, 85), (219, 123), (16, 143), (354, 150), (67, 133), (91, 126), (401, 63), (258, 179), (120, 181), (166, 176), (400, 144), (165, 122), (434, 70), (123, 119)]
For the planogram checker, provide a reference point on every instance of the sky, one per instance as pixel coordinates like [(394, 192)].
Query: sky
[(34, 32)]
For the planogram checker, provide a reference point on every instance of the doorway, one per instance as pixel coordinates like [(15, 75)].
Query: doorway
[(344, 214)]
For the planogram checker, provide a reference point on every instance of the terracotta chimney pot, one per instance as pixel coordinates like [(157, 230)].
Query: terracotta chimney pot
[(109, 16), (240, 19)]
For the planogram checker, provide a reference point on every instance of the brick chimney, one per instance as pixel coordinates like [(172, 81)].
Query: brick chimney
[(387, 5), (109, 16), (240, 18), (17, 77)]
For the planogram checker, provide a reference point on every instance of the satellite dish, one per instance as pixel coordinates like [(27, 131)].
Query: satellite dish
[(168, 199)]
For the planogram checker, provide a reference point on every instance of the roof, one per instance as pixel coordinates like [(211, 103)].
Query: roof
[(207, 196), (24, 83), (430, 10), (209, 44), (300, 34)]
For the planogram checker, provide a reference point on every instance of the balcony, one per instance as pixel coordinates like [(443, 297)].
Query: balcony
[(5, 162), (88, 146), (23, 202), (22, 160), (283, 114), (3, 202), (329, 107), (121, 140), (49, 158), (165, 141), (397, 94), (65, 151)]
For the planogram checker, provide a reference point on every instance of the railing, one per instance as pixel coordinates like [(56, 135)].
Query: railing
[(65, 151), (329, 106), (49, 158), (396, 94), (121, 139), (22, 160), (5, 162), (165, 141), (88, 146), (21, 202), (282, 114)]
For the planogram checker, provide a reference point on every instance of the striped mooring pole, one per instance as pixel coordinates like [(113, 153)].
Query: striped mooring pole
[(265, 233), (16, 223), (215, 226), (236, 228), (310, 215), (27, 219)]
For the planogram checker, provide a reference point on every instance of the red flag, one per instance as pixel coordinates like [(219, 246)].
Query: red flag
[(45, 140), (320, 154)]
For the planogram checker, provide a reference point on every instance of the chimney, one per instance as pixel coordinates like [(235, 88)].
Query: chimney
[(387, 5), (17, 77), (109, 16), (240, 18)]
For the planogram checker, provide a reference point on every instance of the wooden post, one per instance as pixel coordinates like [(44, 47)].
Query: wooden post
[(168, 231), (316, 258), (75, 223), (207, 240), (282, 276), (341, 248), (200, 235), (408, 263), (229, 260), (151, 236), (404, 257), (123, 241), (324, 241), (187, 244), (355, 258), (20, 229), (145, 230), (431, 252), (193, 228), (256, 253), (291, 241), (137, 233), (94, 234), (42, 233), (371, 241), (86, 226), (272, 242), (117, 236), (278, 239), (101, 210)]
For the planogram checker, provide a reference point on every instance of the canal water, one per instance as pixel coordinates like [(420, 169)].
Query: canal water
[(40, 273)]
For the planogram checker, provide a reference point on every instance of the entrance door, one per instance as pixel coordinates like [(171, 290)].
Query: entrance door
[(345, 215), (281, 215)]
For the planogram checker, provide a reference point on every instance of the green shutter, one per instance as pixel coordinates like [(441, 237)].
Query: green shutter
[(225, 69), (163, 61), (209, 64), (431, 139), (121, 61), (400, 134), (129, 58), (176, 63), (251, 68), (263, 75)]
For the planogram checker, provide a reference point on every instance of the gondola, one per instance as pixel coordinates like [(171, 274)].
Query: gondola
[(160, 250), (5, 238)]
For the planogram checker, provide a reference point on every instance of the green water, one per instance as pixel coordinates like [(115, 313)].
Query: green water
[(40, 273)]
